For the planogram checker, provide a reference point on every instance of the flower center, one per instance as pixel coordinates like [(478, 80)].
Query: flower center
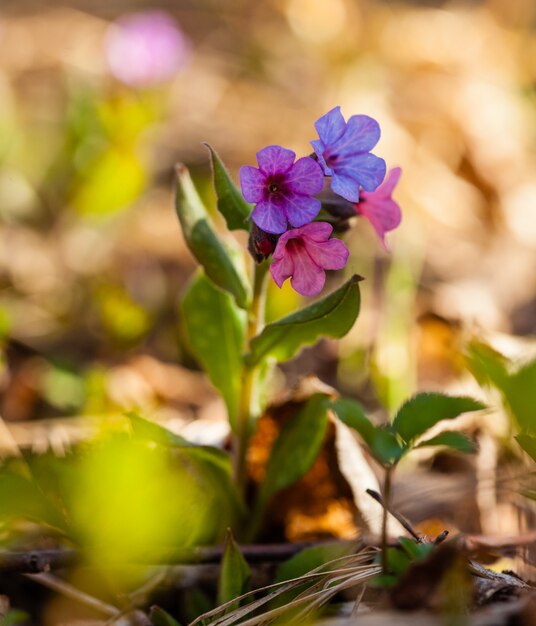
[(273, 187)]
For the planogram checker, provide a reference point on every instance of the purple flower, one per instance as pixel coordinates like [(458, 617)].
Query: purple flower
[(303, 254), (145, 49), (282, 189), (379, 208), (343, 151)]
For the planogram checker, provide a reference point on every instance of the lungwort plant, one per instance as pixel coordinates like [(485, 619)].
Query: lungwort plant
[(294, 211)]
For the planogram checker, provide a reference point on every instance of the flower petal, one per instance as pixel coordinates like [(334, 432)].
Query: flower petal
[(281, 269), (390, 182), (367, 170), (345, 186), (383, 213), (361, 135), (275, 160), (252, 182), (300, 209), (315, 231), (319, 148), (308, 278), (330, 255), (269, 216), (305, 177), (330, 126)]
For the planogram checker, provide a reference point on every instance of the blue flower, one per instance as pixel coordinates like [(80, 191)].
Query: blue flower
[(343, 152)]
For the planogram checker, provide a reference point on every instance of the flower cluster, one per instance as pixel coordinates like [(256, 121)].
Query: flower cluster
[(283, 191)]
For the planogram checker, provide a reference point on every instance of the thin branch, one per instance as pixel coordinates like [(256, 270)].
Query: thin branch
[(398, 516)]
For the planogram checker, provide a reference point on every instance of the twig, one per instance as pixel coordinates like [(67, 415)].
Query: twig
[(56, 584), (398, 516)]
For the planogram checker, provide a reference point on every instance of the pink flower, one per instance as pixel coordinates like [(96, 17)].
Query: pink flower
[(379, 208), (145, 49), (303, 254)]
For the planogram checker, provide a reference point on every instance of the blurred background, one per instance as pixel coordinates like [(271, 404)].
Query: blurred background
[(98, 100)]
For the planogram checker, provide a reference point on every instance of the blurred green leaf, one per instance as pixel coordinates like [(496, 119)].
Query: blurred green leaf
[(150, 431), (520, 393), (159, 617), (456, 441), (297, 446), (311, 558), (203, 241), (234, 572), (215, 329), (123, 318), (231, 203), (528, 443), (333, 316), (382, 443), (517, 385), (487, 365), (22, 498), (424, 410), (15, 616)]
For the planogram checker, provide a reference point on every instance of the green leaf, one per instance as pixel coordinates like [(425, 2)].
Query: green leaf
[(456, 441), (215, 328), (212, 465), (150, 431), (202, 240), (22, 498), (333, 316), (311, 558), (528, 443), (424, 410), (382, 443), (520, 395), (234, 573), (231, 203), (296, 447), (159, 617), (487, 365)]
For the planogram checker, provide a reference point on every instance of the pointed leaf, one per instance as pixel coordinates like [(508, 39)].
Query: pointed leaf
[(215, 329), (521, 396), (231, 203), (234, 573), (202, 240), (456, 441), (528, 443), (296, 447), (333, 316), (381, 443), (424, 410), (150, 431)]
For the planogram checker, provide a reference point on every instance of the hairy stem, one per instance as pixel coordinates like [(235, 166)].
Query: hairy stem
[(249, 374), (386, 495)]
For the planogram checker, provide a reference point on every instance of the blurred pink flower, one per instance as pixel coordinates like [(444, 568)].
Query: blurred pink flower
[(303, 254), (379, 207), (145, 49)]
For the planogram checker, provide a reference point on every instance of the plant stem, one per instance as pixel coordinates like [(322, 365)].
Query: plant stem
[(255, 323), (386, 504)]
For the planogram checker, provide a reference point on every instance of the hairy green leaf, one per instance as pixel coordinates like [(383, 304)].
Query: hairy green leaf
[(333, 316), (231, 203), (424, 410), (202, 240), (234, 573), (215, 329)]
